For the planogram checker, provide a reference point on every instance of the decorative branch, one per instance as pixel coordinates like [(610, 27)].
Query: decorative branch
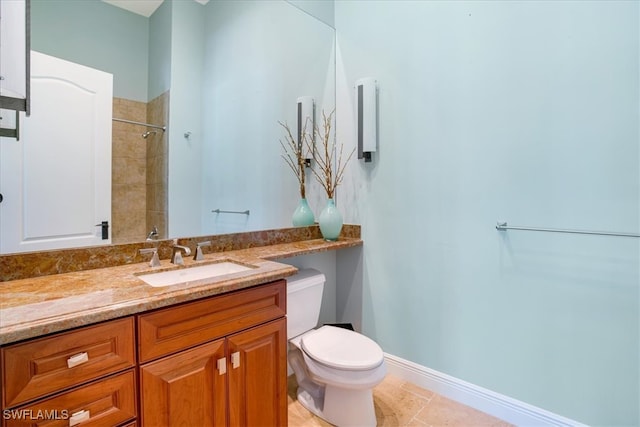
[(324, 158), (294, 157)]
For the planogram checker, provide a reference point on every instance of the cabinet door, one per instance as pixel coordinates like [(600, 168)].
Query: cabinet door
[(258, 376), (186, 389)]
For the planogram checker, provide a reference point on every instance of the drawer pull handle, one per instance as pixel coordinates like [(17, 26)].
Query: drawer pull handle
[(78, 417), (235, 359), (222, 366), (77, 359)]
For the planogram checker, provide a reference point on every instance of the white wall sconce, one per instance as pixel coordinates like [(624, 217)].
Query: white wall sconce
[(366, 91), (306, 123)]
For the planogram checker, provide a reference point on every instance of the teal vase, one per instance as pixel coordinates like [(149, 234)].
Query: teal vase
[(303, 215), (330, 221)]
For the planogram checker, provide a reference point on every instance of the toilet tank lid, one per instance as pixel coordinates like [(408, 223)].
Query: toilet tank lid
[(342, 349), (305, 277)]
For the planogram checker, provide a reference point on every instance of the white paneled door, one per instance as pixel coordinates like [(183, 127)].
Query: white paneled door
[(55, 180)]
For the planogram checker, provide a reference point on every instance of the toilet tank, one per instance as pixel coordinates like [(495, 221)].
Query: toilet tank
[(304, 297)]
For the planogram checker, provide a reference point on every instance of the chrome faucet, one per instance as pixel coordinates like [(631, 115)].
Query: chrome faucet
[(153, 234), (176, 256)]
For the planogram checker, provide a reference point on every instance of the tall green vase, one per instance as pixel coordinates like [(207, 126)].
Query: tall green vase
[(303, 215), (330, 221)]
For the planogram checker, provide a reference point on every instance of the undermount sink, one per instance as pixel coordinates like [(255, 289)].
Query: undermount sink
[(189, 274)]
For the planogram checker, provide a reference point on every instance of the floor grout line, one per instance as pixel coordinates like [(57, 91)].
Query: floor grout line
[(426, 399)]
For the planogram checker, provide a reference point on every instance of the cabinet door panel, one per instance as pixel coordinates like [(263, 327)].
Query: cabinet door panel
[(258, 381), (185, 389)]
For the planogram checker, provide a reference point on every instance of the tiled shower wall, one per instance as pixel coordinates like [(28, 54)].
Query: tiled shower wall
[(128, 173), (139, 178), (157, 166)]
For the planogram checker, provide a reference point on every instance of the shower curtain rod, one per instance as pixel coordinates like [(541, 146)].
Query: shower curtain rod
[(164, 128), (502, 226)]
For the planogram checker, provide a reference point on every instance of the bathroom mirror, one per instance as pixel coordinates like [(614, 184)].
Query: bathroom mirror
[(222, 74)]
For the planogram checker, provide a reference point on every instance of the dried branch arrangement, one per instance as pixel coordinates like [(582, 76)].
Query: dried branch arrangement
[(324, 156), (294, 157)]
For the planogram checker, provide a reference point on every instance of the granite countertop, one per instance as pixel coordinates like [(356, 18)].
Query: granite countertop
[(38, 306)]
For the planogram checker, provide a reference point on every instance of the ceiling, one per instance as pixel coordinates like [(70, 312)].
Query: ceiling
[(142, 7)]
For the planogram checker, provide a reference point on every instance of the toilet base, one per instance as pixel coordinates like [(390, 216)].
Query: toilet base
[(339, 404), (342, 407)]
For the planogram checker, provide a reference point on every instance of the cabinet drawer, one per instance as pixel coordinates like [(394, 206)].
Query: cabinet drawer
[(108, 402), (37, 368), (175, 328)]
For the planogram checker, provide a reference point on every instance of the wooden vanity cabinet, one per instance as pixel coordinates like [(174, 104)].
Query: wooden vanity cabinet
[(215, 362), (190, 387)]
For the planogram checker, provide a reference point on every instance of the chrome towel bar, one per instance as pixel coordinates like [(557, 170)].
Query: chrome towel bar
[(502, 226), (218, 211)]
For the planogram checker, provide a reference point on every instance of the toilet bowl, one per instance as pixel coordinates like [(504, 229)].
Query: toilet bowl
[(336, 369)]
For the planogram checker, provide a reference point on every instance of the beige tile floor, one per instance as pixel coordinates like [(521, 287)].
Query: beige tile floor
[(400, 403)]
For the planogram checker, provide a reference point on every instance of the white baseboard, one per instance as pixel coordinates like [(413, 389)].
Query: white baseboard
[(511, 410)]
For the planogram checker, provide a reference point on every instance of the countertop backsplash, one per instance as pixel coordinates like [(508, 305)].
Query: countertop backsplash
[(44, 263)]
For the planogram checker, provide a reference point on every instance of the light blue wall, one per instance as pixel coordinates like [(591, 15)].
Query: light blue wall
[(185, 154), (98, 35), (159, 52), (324, 10), (260, 56), (519, 111)]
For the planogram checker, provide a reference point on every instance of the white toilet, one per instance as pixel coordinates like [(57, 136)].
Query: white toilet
[(336, 369)]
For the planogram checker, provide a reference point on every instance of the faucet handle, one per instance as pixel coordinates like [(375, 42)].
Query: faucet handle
[(155, 260), (199, 256)]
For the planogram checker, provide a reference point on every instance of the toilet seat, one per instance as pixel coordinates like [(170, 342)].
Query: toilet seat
[(343, 349)]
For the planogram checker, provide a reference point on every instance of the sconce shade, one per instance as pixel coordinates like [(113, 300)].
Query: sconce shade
[(367, 117)]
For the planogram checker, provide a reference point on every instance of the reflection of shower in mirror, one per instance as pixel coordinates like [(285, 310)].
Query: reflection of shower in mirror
[(142, 100)]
